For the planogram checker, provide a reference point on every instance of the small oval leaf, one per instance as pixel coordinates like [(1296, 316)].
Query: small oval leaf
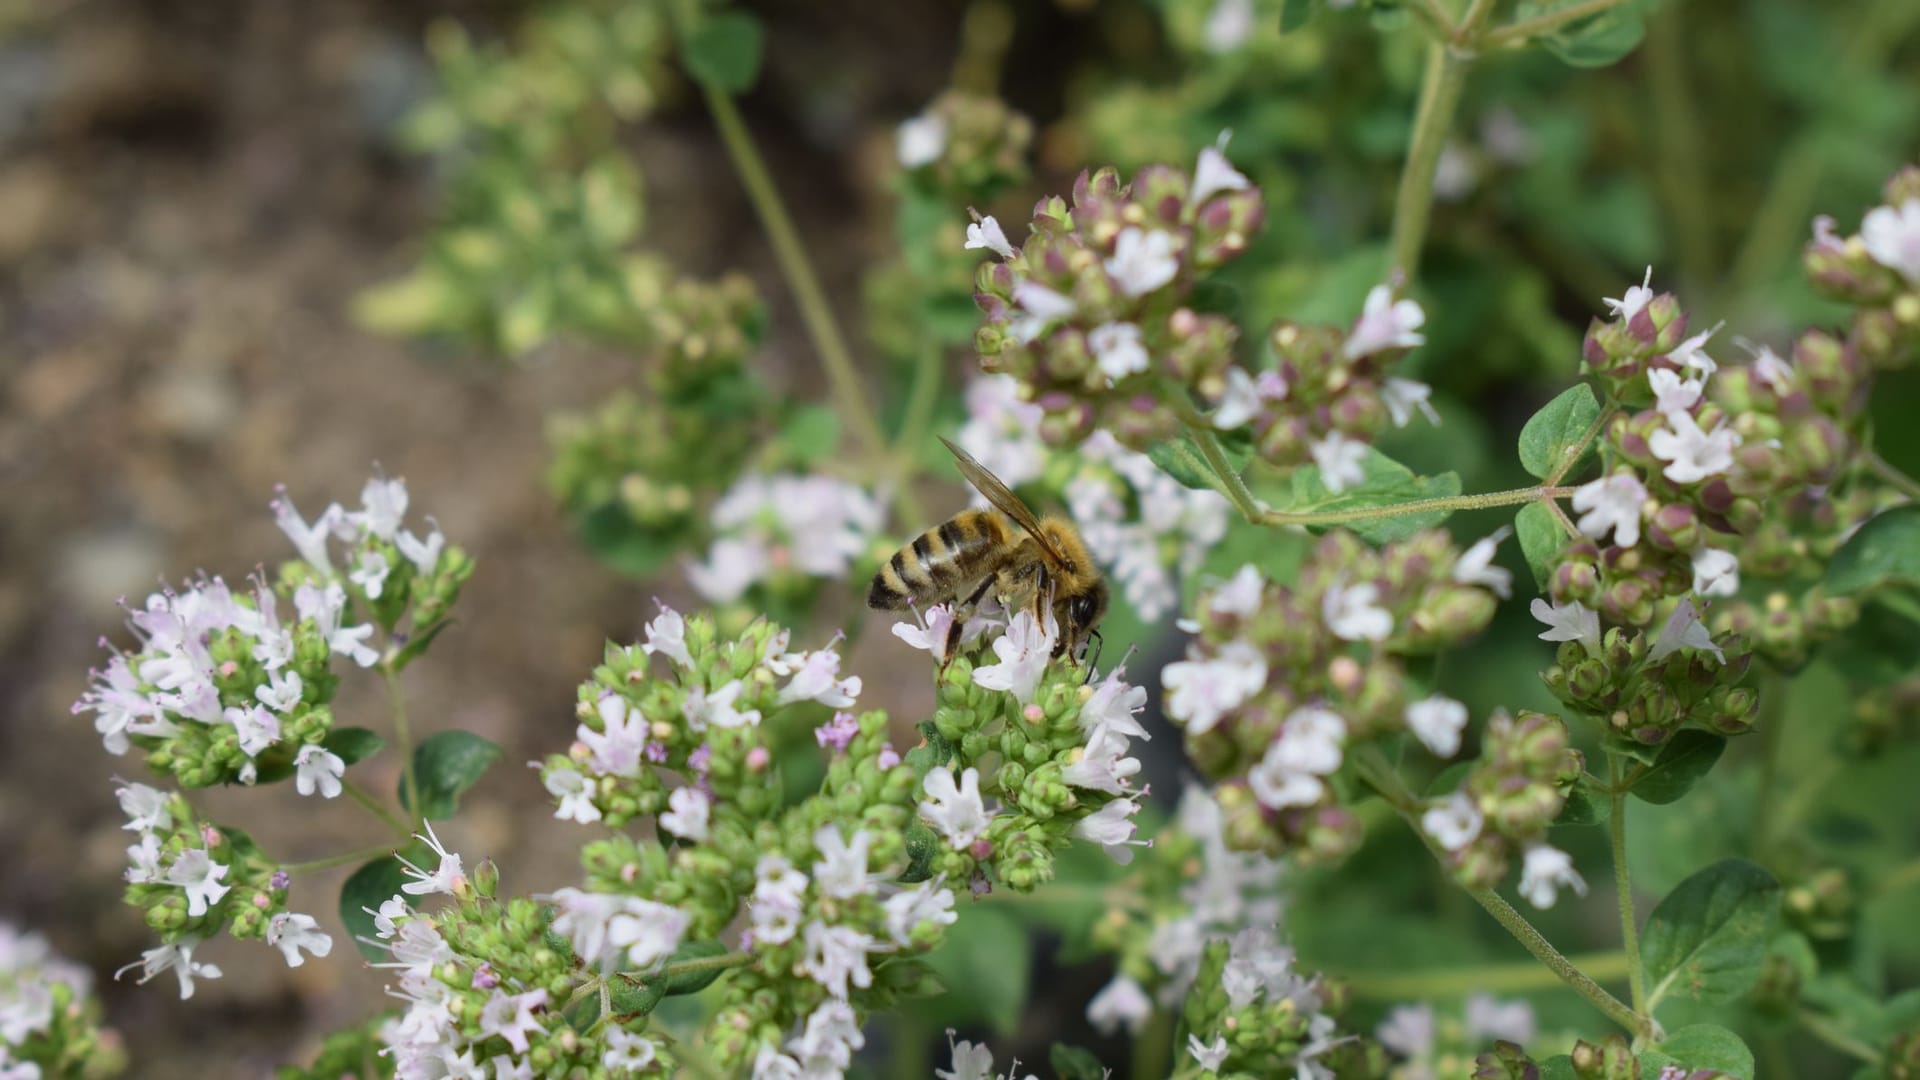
[(1884, 551), (1700, 1046), (1707, 940), (724, 51), (1548, 440), (1685, 758), (1541, 540), (445, 766), (353, 744)]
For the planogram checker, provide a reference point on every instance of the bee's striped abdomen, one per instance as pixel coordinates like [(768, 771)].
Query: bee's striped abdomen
[(940, 562)]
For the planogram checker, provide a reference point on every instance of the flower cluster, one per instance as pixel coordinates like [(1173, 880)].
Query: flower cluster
[(1281, 680), (787, 531), (1509, 797), (49, 1020), (1432, 1044), (1145, 528), (193, 879), (965, 146), (1193, 900), (1712, 469), (1091, 315), (1610, 1059), (1646, 686), (228, 686), (864, 870), (1330, 393), (1877, 271)]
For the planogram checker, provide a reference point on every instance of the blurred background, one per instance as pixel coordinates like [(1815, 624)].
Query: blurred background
[(205, 207)]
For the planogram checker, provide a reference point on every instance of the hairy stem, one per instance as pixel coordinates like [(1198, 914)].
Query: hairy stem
[(1892, 476), (1461, 981), (403, 742), (1520, 31), (1623, 886), (1446, 75), (1375, 770), (922, 395), (1231, 484), (1823, 1028), (375, 806), (1416, 506), (815, 312), (331, 861)]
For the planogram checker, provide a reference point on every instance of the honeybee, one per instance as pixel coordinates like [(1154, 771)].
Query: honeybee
[(1043, 563)]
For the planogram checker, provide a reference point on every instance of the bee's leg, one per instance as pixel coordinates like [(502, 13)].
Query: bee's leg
[(1094, 639), (961, 612)]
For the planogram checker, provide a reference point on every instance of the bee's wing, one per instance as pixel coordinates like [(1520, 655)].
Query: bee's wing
[(1003, 499)]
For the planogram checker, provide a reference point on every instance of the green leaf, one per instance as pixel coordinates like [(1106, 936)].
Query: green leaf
[(934, 754), (1548, 441), (417, 645), (1295, 14), (625, 544), (922, 847), (724, 51), (1595, 41), (353, 743), (1075, 1063), (628, 996), (1558, 1067), (1585, 805), (986, 963), (1884, 551), (370, 886), (1386, 483), (1682, 761), (811, 433), (693, 982), (1179, 457), (584, 1013), (1541, 540), (1708, 939), (1614, 742), (1700, 1046), (446, 765)]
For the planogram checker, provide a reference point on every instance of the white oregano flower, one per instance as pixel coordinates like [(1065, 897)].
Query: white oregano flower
[(1385, 323), (1453, 823), (1546, 870), (1142, 260), (1636, 298), (1437, 721), (1572, 621), (987, 233), (1342, 461), (1891, 236), (1612, 504)]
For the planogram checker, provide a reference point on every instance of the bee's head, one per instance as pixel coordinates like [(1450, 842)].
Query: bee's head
[(1085, 611)]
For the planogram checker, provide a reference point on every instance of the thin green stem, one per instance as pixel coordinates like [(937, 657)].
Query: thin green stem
[(1435, 17), (331, 861), (403, 742), (1380, 775), (1780, 219), (1678, 138), (1476, 17), (1461, 981), (1623, 886), (1230, 482), (1153, 1051), (738, 958), (374, 806), (1771, 722), (1823, 1028), (1520, 31), (1440, 86), (922, 395), (1894, 478), (815, 312), (1416, 506)]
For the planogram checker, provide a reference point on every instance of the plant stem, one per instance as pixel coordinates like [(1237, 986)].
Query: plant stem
[(343, 859), (403, 741), (1520, 31), (1440, 86), (1436, 17), (1895, 479), (921, 397), (815, 312), (1822, 1028), (1153, 1051), (1380, 775), (1623, 885), (1678, 141), (1461, 981), (1416, 506), (365, 798), (1230, 482), (706, 963)]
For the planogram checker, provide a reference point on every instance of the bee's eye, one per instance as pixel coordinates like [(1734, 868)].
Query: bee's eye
[(1082, 608)]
